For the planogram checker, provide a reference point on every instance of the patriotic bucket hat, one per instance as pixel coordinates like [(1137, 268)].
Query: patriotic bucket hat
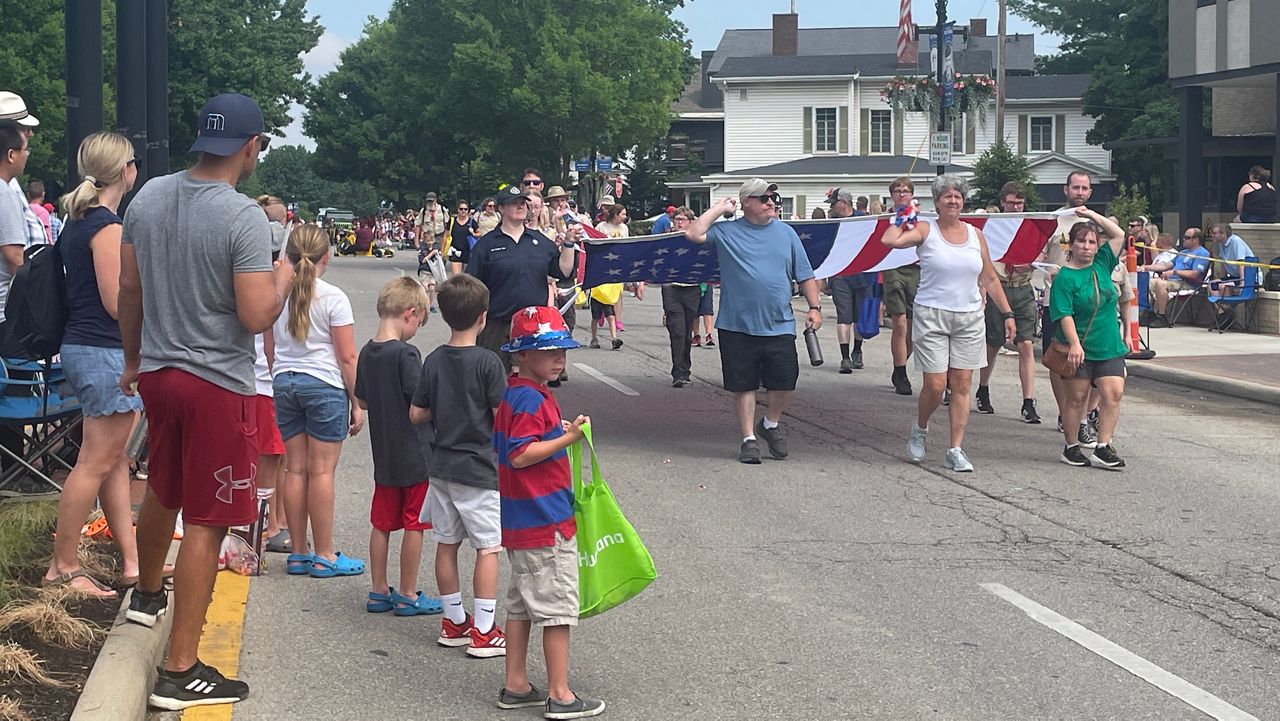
[(539, 328)]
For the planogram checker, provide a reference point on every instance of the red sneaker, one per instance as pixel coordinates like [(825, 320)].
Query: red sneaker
[(697, 341), (487, 645), (711, 342), (455, 634)]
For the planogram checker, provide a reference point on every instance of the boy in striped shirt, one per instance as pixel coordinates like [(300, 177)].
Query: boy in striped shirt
[(538, 528)]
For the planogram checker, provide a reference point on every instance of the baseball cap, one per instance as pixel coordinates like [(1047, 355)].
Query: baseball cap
[(431, 196), (755, 187), (606, 200), (539, 327), (510, 194), (835, 195), (226, 122), (13, 107), (671, 208)]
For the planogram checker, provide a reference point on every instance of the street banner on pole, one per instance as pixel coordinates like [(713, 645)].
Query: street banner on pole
[(948, 79)]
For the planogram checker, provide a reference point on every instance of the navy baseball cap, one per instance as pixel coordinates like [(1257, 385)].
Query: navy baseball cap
[(226, 122)]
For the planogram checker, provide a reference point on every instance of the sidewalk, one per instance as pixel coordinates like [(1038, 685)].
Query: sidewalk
[(1243, 365)]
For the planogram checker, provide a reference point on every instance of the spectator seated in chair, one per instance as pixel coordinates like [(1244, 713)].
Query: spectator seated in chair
[(1190, 268), (1231, 247)]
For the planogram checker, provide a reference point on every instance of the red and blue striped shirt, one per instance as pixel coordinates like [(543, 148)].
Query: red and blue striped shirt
[(537, 500)]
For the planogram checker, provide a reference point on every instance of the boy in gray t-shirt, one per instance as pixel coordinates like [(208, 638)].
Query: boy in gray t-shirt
[(461, 386)]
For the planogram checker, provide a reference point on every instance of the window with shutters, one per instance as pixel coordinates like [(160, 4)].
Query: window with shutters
[(1040, 134), (825, 130), (881, 122), (958, 135)]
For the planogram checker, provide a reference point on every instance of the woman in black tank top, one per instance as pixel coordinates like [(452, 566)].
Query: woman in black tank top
[(1256, 201)]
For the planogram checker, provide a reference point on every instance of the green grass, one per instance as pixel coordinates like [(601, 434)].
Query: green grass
[(22, 527)]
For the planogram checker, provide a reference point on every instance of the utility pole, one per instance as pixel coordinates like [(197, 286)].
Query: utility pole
[(83, 40), (938, 32), (1000, 67)]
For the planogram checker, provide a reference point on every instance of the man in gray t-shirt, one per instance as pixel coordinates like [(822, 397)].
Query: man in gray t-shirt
[(13, 206), (196, 284)]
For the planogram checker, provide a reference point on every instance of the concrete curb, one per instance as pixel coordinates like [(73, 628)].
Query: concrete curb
[(122, 676), (1247, 390)]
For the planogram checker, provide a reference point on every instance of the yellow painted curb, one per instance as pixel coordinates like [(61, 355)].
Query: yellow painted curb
[(220, 643)]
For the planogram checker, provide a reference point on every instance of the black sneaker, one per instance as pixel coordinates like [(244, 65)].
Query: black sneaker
[(147, 608), (846, 365), (1074, 456), (1059, 424), (1106, 457), (774, 439), (578, 708), (1029, 414), (677, 383), (902, 384), (202, 685), (617, 343), (749, 452), (1092, 420), (984, 400), (857, 360), (1086, 436), (946, 397), (530, 698)]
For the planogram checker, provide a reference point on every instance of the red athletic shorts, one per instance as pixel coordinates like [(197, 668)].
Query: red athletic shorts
[(269, 441), (398, 508), (204, 448)]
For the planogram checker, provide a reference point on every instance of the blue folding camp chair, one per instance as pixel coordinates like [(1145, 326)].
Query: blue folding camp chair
[(1225, 305), (39, 408)]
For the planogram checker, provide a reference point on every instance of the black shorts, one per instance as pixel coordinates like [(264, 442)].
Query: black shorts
[(1109, 368), (847, 294), (1048, 329), (600, 310), (750, 361)]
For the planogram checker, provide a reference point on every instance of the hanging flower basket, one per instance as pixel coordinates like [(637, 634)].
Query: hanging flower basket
[(920, 94)]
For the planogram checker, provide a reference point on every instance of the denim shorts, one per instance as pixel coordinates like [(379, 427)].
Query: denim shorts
[(306, 404), (94, 374)]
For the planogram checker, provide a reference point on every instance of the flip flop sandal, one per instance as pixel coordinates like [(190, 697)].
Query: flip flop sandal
[(381, 602), (299, 564), (343, 566), (280, 543), (423, 605), (66, 579)]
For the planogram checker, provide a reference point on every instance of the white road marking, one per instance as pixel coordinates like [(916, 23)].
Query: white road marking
[(624, 390), (1173, 685)]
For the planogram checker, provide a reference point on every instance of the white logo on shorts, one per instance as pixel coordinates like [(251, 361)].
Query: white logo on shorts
[(229, 484)]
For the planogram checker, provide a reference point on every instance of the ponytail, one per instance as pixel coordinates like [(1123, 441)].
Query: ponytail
[(101, 160), (81, 198), (307, 247)]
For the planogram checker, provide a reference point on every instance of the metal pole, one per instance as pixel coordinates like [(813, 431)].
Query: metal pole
[(157, 88), (1000, 67), (940, 29), (131, 80), (83, 35)]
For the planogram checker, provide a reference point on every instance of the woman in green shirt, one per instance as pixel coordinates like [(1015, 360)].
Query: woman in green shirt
[(1084, 303)]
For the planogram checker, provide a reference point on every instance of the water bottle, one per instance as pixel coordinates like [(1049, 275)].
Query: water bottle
[(811, 344), (136, 447)]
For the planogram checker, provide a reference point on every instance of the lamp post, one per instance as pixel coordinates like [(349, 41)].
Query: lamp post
[(939, 32)]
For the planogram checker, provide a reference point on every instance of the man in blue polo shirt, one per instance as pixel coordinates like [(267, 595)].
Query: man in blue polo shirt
[(514, 262), (1190, 268)]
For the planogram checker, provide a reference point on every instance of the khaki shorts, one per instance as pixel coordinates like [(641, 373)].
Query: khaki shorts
[(459, 512), (900, 285), (1022, 301), (544, 584), (946, 339)]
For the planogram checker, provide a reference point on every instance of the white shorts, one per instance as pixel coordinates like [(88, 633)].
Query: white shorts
[(943, 339), (458, 512)]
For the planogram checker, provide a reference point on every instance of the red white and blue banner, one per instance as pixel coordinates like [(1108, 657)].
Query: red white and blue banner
[(835, 247)]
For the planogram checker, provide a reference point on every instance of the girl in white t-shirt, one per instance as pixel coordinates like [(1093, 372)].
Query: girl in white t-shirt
[(314, 377)]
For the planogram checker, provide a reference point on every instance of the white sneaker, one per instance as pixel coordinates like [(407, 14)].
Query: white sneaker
[(957, 461), (915, 443)]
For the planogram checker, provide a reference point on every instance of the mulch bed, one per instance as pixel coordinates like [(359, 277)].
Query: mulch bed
[(71, 666)]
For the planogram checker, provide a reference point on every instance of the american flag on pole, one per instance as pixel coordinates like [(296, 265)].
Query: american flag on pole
[(907, 52), (835, 247)]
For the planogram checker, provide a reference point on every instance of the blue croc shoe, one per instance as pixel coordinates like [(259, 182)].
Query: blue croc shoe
[(381, 602), (299, 564), (322, 567), (423, 605)]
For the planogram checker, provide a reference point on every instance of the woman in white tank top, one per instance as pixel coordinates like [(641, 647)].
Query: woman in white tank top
[(948, 327)]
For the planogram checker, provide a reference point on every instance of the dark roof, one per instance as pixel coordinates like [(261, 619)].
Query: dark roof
[(1019, 49), (845, 165), (1035, 87), (973, 61), (690, 97)]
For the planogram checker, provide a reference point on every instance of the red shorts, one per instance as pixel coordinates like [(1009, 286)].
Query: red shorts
[(204, 448), (269, 441), (398, 508)]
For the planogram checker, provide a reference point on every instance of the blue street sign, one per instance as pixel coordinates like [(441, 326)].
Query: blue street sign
[(604, 164), (582, 165)]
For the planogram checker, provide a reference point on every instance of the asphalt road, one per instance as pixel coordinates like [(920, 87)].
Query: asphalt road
[(844, 582)]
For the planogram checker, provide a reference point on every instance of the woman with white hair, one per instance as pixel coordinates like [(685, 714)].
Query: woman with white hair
[(948, 326)]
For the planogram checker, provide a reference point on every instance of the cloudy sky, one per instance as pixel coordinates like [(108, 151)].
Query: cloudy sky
[(706, 19)]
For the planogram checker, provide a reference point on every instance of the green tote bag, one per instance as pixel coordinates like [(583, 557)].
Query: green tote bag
[(613, 564)]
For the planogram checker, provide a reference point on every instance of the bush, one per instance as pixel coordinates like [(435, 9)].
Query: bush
[(995, 167), (1128, 203)]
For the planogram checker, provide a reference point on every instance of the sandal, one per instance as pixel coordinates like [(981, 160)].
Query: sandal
[(280, 543), (423, 605), (298, 564), (65, 579), (381, 602), (342, 566)]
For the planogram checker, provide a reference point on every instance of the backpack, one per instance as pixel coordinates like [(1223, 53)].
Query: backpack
[(36, 312), (1272, 280)]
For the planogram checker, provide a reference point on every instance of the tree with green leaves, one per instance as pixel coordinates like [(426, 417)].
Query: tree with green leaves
[(289, 172), (1128, 203), (998, 165)]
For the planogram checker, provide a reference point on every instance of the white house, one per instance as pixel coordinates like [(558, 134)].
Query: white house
[(803, 108)]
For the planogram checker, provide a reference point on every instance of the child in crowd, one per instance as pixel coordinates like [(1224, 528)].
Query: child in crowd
[(603, 299), (460, 388), (386, 378), (313, 379), (271, 445), (538, 528)]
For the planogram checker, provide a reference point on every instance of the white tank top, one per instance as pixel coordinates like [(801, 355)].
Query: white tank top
[(949, 273)]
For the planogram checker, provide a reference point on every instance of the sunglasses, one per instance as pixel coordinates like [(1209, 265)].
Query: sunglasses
[(768, 198), (489, 206), (463, 208), (1189, 237), (263, 142), (131, 161), (533, 182)]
